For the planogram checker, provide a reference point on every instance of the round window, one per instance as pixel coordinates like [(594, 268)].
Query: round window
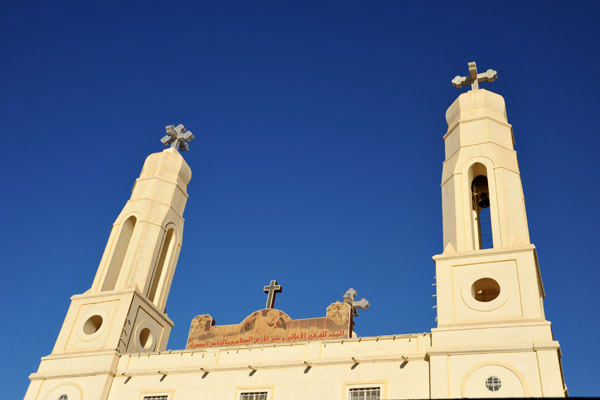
[(485, 289), (92, 325), (493, 383)]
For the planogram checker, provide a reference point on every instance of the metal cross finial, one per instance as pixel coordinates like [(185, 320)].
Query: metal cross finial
[(349, 298), (177, 137), (272, 289), (474, 78)]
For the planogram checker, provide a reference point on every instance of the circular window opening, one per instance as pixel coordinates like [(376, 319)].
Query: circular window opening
[(92, 325), (485, 289), (146, 338), (493, 383)]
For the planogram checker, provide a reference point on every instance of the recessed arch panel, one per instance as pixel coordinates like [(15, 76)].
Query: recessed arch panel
[(512, 381), (119, 253)]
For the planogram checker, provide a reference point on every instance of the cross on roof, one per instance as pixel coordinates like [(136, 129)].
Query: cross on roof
[(272, 289), (474, 78), (349, 298), (177, 137)]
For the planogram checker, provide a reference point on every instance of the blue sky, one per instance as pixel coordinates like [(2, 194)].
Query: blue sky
[(317, 159)]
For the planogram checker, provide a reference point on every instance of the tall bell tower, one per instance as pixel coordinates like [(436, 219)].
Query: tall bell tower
[(491, 321), (124, 310)]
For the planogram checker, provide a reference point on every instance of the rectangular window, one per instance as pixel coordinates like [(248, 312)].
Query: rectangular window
[(253, 396), (161, 397), (371, 393)]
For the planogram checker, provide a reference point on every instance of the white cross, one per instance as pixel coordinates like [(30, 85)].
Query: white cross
[(474, 78), (177, 137), (349, 298)]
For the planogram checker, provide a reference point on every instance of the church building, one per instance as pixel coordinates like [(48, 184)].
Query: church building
[(492, 338)]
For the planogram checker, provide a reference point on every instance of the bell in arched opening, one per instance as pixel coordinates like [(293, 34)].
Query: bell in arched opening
[(481, 193)]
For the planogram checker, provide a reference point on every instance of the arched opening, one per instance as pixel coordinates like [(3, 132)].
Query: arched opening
[(119, 253), (481, 205), (161, 269)]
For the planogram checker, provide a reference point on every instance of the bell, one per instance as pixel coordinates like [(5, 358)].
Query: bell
[(481, 195), (484, 200)]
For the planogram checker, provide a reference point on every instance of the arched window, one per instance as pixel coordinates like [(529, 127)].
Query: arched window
[(161, 265), (481, 210), (116, 262)]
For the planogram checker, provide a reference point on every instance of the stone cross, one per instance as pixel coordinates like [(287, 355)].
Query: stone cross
[(349, 298), (272, 290), (177, 137), (474, 78)]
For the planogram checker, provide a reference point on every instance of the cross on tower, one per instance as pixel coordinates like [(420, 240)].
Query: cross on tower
[(349, 298), (177, 137), (474, 78), (272, 289)]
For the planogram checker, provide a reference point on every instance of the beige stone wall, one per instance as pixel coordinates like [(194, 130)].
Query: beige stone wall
[(403, 366), (396, 364)]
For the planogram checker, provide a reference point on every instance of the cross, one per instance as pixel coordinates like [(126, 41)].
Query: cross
[(272, 289), (177, 137), (349, 298), (474, 78)]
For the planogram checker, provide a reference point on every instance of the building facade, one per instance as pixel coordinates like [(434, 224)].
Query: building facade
[(492, 337)]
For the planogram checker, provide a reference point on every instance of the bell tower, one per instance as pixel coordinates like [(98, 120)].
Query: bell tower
[(481, 177), (489, 287), (124, 310)]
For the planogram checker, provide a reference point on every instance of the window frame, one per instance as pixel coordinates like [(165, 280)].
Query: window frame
[(254, 395), (381, 385), (239, 391), (155, 394)]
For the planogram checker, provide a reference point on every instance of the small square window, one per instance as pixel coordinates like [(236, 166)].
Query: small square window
[(368, 393), (253, 396)]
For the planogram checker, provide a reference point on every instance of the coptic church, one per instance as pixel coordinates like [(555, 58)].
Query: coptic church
[(492, 338)]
